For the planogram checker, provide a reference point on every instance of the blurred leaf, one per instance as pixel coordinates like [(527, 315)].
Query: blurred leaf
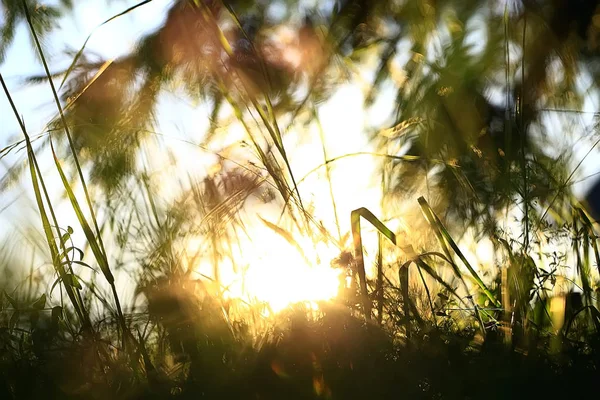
[(67, 280), (70, 249), (11, 300), (40, 303)]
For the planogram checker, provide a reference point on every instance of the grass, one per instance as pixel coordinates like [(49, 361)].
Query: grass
[(427, 334)]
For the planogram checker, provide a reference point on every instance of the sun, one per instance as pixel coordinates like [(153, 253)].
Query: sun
[(280, 276), (267, 270), (275, 272)]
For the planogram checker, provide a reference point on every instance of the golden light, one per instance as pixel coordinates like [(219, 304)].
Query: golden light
[(280, 276), (263, 267), (272, 271)]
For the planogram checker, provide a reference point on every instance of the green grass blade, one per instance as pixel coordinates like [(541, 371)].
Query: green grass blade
[(444, 235), (403, 279), (593, 237), (64, 122), (47, 228), (432, 273), (358, 250), (99, 250), (89, 234)]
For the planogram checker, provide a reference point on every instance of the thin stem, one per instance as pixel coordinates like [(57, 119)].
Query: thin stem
[(522, 136)]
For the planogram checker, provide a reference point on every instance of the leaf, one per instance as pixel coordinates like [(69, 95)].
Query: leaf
[(89, 234), (69, 280), (72, 280), (83, 264), (40, 303), (69, 249), (12, 301), (67, 235), (373, 220), (56, 282)]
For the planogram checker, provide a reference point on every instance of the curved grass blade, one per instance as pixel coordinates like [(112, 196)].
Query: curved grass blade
[(444, 236), (287, 236), (358, 249)]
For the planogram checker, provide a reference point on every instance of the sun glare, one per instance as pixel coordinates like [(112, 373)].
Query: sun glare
[(282, 278), (266, 268), (271, 271)]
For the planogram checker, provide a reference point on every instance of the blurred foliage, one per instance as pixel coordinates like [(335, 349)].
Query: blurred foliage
[(468, 101), (45, 19)]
